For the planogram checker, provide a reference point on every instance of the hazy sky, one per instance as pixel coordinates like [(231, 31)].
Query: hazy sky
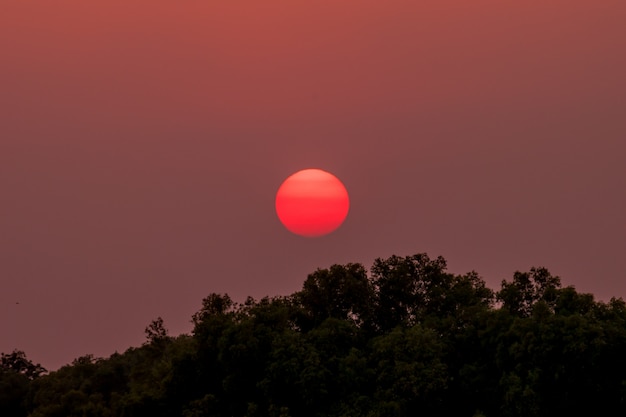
[(142, 143)]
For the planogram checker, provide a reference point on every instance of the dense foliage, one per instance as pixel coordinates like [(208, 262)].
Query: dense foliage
[(406, 339)]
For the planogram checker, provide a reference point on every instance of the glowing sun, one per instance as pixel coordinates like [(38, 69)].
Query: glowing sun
[(312, 203)]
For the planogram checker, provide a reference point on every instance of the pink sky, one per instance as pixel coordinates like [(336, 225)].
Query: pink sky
[(142, 144)]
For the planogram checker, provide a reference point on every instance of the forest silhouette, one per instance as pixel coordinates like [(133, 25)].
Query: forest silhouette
[(406, 338)]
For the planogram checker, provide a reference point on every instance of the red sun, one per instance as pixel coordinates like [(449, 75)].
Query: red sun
[(312, 203)]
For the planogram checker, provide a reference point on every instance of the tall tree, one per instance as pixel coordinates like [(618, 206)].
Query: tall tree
[(527, 288), (408, 288), (343, 292)]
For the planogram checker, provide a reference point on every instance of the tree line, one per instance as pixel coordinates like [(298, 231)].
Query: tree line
[(403, 339)]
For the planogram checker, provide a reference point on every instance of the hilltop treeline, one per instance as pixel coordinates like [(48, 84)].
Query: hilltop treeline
[(405, 339)]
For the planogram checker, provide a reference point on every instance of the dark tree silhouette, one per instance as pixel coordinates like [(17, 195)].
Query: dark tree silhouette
[(156, 331), (409, 338), (18, 362)]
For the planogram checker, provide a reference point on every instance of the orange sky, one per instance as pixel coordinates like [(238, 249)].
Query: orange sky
[(142, 143)]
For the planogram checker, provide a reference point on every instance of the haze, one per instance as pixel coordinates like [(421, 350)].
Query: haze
[(142, 144)]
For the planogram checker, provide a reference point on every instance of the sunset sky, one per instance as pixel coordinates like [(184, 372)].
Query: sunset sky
[(142, 144)]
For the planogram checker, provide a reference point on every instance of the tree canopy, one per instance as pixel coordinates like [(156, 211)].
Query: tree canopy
[(403, 339)]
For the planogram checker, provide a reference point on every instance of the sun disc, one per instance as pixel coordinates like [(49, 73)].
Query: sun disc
[(312, 203)]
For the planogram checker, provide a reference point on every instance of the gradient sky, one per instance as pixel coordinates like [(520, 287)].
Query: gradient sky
[(142, 144)]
